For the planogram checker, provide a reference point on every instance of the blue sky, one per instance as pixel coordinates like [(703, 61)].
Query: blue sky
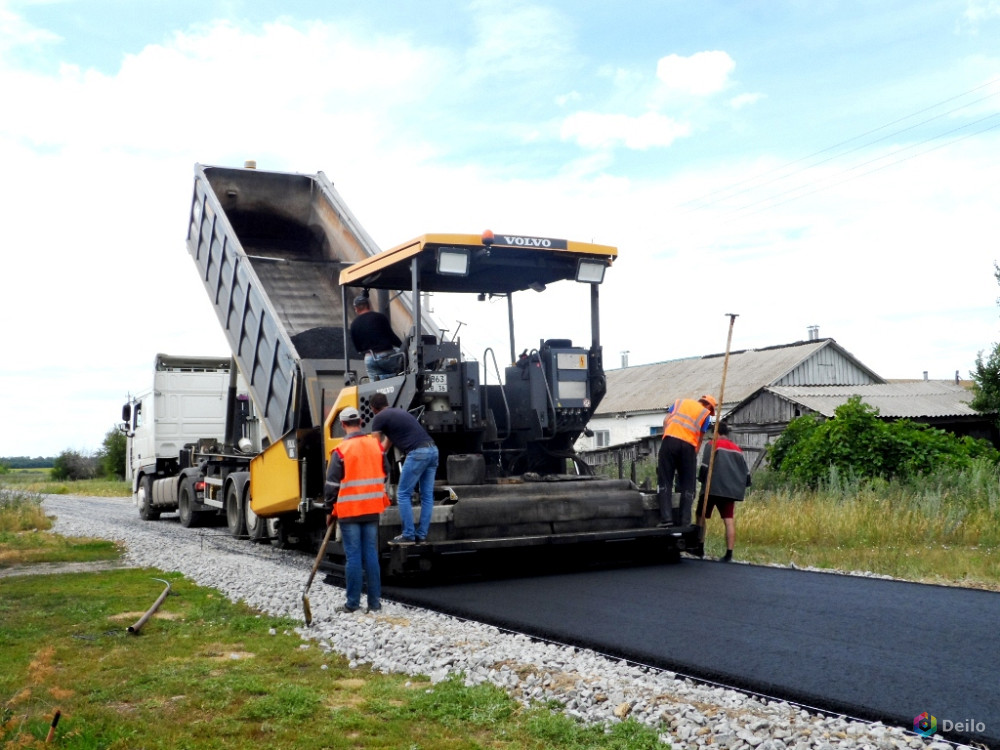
[(797, 163)]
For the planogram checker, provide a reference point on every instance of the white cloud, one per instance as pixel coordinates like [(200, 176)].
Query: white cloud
[(517, 38), (701, 74), (978, 11), (744, 100), (15, 32), (158, 99), (570, 98), (596, 130)]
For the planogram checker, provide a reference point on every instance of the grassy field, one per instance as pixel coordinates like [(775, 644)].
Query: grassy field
[(207, 673), (40, 481), (942, 529)]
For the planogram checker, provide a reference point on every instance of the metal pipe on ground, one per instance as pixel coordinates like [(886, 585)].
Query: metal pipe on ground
[(134, 629)]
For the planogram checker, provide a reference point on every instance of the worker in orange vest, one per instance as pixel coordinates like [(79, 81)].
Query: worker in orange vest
[(685, 424), (355, 495)]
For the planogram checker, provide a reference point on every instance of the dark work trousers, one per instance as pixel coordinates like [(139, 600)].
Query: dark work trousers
[(679, 458)]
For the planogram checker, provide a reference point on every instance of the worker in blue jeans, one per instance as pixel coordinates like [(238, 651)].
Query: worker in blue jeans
[(395, 426), (355, 496)]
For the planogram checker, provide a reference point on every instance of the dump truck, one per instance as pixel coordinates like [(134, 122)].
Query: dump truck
[(280, 256), (268, 247)]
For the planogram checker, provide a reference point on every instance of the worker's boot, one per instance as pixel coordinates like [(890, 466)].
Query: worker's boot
[(665, 501)]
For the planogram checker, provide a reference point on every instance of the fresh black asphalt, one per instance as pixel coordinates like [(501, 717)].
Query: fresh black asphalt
[(869, 648)]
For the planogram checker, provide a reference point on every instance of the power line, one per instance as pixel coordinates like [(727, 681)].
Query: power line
[(872, 161), (742, 187)]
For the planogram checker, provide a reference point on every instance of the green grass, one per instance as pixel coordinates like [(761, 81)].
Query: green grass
[(207, 673), (941, 529), (24, 538)]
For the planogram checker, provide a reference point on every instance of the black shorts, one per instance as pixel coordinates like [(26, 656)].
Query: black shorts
[(725, 506)]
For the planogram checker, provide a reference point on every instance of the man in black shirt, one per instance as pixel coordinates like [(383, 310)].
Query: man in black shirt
[(395, 426), (372, 336)]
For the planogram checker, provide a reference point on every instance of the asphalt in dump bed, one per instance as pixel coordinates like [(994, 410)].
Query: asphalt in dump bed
[(870, 648)]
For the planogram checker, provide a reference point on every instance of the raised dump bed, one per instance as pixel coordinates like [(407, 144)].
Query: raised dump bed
[(269, 247)]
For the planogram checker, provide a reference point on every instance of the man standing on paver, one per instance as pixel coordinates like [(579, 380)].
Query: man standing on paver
[(395, 426)]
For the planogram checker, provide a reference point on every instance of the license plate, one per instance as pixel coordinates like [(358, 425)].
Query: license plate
[(437, 383)]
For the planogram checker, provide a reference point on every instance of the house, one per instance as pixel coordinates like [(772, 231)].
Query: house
[(767, 388)]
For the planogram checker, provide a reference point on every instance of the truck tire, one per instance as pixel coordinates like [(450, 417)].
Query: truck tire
[(145, 500), (187, 498), (235, 518), (256, 526)]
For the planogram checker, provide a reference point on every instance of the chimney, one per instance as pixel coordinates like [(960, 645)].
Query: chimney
[(625, 359), (813, 333)]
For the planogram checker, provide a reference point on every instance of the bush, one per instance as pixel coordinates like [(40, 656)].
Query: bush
[(856, 443), (74, 465), (22, 511)]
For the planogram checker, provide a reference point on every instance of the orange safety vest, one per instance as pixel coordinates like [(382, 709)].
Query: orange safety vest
[(362, 490), (686, 420)]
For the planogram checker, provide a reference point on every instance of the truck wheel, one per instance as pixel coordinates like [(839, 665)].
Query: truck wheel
[(186, 499), (145, 500), (235, 519), (256, 526)]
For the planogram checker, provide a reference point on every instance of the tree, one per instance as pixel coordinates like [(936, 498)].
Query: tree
[(111, 457), (986, 376)]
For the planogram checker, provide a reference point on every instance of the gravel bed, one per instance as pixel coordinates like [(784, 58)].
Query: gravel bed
[(408, 640)]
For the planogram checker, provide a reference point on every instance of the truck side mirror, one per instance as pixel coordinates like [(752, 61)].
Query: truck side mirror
[(126, 413)]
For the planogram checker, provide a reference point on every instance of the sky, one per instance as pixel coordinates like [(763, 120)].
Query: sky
[(829, 164)]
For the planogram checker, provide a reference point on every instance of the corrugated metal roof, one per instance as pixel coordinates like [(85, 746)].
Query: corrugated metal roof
[(918, 399), (644, 388)]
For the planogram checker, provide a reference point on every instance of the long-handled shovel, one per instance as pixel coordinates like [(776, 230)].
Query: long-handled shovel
[(312, 574), (715, 435)]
